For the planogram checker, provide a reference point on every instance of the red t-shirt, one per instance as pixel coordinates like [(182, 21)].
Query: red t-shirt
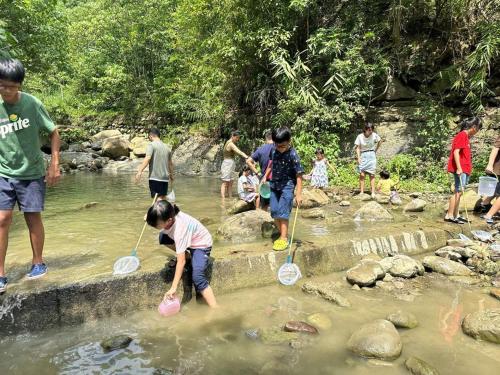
[(461, 142)]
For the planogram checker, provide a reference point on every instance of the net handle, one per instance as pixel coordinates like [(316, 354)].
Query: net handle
[(289, 257), (134, 252)]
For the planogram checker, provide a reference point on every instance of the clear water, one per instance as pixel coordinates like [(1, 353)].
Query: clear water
[(201, 341), (85, 242)]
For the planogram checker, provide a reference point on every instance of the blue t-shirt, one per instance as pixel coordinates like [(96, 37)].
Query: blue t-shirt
[(286, 168), (262, 155)]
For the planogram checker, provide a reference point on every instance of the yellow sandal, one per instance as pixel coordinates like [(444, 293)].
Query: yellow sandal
[(280, 245)]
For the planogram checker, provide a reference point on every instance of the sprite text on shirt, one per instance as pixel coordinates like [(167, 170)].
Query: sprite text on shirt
[(12, 124)]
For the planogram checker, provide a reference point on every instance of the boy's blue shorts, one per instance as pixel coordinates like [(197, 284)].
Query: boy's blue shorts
[(465, 180), (282, 202), (28, 194)]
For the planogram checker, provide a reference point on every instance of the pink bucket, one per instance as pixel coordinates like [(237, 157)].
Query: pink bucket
[(169, 307)]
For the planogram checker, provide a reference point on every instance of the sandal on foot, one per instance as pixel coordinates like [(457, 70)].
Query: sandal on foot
[(453, 220), (463, 219), (3, 284), (489, 220), (280, 245)]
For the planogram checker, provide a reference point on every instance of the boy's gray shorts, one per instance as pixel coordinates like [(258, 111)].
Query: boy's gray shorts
[(29, 194)]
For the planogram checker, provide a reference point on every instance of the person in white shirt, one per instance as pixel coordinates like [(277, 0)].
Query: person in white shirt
[(247, 186), (367, 145)]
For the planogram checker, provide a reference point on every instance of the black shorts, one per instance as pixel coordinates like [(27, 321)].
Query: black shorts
[(164, 239), (264, 202), (158, 187), (497, 188)]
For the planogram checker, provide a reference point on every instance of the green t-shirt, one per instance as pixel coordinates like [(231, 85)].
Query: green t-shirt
[(158, 165), (21, 126)]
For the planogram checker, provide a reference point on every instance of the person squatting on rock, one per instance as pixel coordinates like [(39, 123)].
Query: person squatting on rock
[(228, 165), (161, 168), (248, 186), (286, 180), (493, 169), (367, 145), (319, 173), (183, 233), (460, 165), (23, 175)]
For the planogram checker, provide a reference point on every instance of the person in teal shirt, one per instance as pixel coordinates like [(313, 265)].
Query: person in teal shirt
[(23, 119)]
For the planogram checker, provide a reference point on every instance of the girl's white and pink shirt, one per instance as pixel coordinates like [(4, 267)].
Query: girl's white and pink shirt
[(187, 232)]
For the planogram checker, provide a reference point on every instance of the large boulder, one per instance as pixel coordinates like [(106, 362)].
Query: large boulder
[(240, 206), (402, 266), (416, 205), (378, 339), (483, 325), (115, 147), (246, 226), (365, 273), (101, 136), (138, 146), (314, 198), (198, 155), (74, 159), (419, 367), (372, 211), (445, 266), (397, 91)]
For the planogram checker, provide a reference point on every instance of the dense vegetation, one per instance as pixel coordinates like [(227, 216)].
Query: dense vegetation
[(212, 64)]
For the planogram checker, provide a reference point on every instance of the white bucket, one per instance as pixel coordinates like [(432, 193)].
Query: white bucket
[(487, 186)]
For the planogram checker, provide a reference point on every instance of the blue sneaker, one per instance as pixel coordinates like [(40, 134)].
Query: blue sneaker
[(37, 270), (3, 284)]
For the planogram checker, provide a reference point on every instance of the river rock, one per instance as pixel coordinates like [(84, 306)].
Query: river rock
[(448, 252), (468, 201), (76, 147), (319, 320), (378, 339), (312, 198), (315, 213), (365, 273), (163, 371), (138, 146), (300, 327), (419, 367), (416, 205), (483, 325), (458, 242), (75, 159), (363, 197), (445, 266), (382, 198), (396, 90), (402, 319), (327, 292), (372, 211), (116, 342), (115, 147), (396, 200), (495, 292), (484, 266), (344, 203), (246, 226), (101, 136), (402, 266), (240, 206), (276, 336)]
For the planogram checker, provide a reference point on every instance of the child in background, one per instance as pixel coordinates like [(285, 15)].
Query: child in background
[(386, 185), (185, 233), (460, 165), (319, 173), (286, 179), (246, 185)]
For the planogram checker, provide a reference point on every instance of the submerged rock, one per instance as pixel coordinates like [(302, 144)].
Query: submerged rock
[(483, 325), (419, 367), (276, 336), (458, 242), (378, 339), (484, 266), (163, 371), (327, 292), (416, 205), (246, 226), (445, 266), (363, 197), (372, 211), (403, 319), (319, 320), (495, 292), (315, 213), (116, 342), (312, 198), (300, 327), (344, 203), (252, 334), (365, 273), (402, 266)]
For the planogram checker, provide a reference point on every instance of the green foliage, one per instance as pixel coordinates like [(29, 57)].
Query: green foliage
[(402, 165), (74, 135)]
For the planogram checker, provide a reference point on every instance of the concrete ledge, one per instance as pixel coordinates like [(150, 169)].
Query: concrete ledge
[(76, 303)]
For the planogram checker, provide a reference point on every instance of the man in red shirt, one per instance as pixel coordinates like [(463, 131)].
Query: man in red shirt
[(460, 164)]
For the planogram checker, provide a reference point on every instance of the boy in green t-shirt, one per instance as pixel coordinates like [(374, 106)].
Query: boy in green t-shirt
[(22, 170)]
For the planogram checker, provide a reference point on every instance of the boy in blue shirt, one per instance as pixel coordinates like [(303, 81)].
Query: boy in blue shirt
[(285, 181)]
